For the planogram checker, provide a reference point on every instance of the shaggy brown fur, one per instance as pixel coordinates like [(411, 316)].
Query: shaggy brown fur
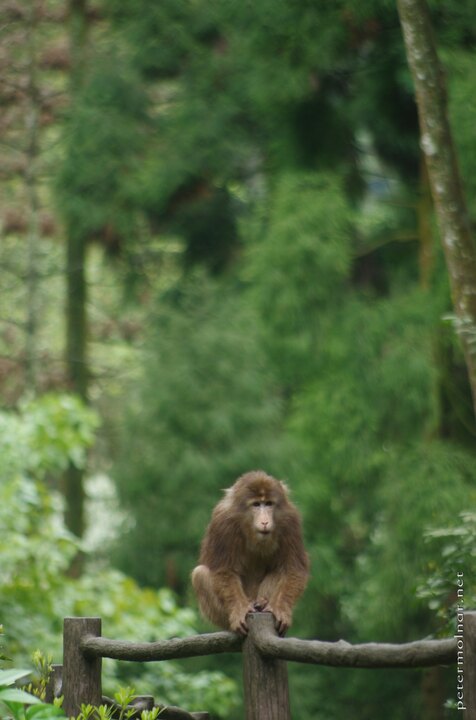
[(252, 556)]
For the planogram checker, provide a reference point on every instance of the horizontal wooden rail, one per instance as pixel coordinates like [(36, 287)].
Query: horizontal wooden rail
[(207, 644), (422, 653), (264, 654)]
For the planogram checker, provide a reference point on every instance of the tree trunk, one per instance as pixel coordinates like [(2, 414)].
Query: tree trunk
[(31, 184), (425, 234), (443, 171), (76, 288), (77, 372), (76, 319)]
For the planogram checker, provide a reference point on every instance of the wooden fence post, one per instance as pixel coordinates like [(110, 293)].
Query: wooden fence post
[(81, 674), (466, 666), (265, 680)]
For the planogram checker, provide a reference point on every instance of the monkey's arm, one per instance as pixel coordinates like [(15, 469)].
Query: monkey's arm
[(282, 589), (229, 590)]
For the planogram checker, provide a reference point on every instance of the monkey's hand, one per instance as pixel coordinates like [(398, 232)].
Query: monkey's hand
[(238, 619), (283, 619)]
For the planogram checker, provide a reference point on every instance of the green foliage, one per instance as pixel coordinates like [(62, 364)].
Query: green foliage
[(139, 614), (351, 423), (43, 669), (62, 430), (422, 486), (246, 76), (299, 266), (105, 138), (207, 689), (2, 656), (374, 477), (46, 435), (206, 410), (103, 712), (123, 698), (36, 592), (36, 443), (36, 550), (26, 705), (453, 561), (34, 605), (233, 86), (462, 86), (21, 705), (383, 81)]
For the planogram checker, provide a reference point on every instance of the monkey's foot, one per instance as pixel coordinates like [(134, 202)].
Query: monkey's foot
[(283, 621), (260, 604)]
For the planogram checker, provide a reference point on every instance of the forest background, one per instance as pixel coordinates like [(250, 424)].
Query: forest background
[(218, 252)]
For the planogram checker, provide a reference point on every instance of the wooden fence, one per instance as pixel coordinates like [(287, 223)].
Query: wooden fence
[(265, 654)]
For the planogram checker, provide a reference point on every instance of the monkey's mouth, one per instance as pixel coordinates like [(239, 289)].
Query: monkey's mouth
[(264, 532)]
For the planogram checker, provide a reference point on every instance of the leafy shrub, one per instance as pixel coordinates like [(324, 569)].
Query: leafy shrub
[(36, 592)]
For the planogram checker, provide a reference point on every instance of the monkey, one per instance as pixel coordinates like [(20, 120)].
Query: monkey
[(252, 556)]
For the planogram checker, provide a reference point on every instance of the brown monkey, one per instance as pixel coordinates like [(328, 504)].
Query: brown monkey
[(252, 556)]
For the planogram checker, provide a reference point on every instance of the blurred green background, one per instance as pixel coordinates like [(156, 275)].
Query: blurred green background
[(218, 253)]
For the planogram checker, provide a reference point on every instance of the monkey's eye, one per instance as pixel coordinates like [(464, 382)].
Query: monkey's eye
[(269, 503), (256, 503)]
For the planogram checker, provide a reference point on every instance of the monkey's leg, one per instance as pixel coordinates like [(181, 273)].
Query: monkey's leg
[(208, 600), (222, 598)]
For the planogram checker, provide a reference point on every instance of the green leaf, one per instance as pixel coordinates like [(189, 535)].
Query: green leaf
[(15, 695), (44, 711), (8, 677)]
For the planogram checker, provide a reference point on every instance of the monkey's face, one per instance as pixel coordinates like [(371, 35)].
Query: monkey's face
[(258, 499), (262, 516)]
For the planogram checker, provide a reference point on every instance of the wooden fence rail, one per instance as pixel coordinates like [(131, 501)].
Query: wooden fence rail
[(264, 662)]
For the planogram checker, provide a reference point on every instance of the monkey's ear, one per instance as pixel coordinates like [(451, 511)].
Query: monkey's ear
[(227, 499), (285, 487)]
